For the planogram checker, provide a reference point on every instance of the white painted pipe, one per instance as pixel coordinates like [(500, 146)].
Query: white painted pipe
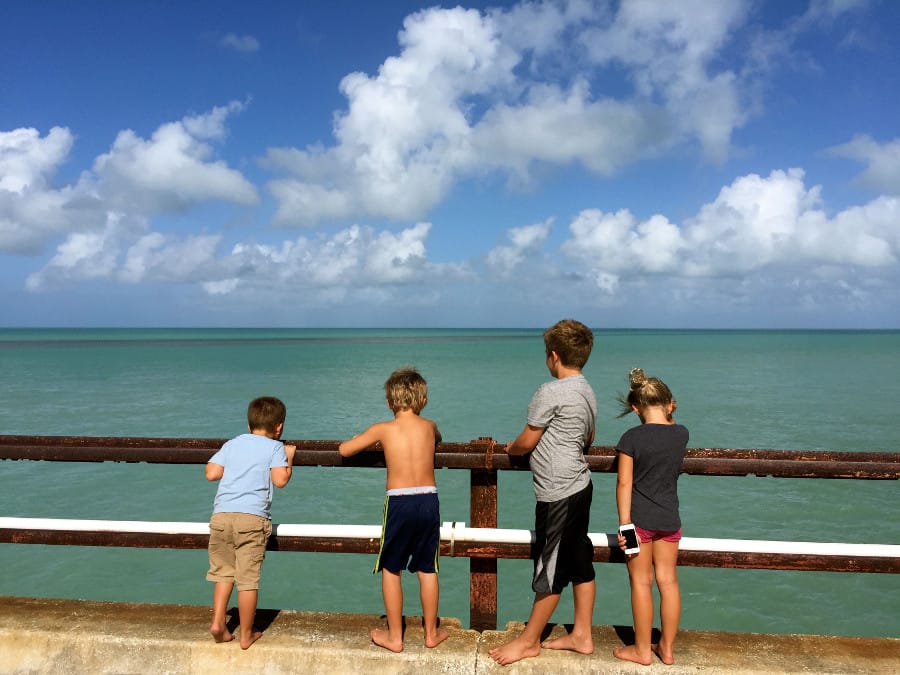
[(453, 532)]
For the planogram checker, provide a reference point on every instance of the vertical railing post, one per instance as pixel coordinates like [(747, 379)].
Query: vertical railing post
[(483, 571)]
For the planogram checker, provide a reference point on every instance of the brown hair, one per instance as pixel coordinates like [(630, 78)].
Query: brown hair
[(644, 392), (265, 414), (571, 340), (405, 389)]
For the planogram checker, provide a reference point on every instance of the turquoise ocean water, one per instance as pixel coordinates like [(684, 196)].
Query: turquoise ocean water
[(831, 390)]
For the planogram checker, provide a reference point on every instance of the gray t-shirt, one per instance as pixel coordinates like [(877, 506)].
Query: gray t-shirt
[(566, 410)]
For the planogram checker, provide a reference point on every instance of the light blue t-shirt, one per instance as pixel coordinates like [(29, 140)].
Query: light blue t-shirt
[(246, 485)]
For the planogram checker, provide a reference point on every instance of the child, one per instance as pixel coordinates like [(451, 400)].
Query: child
[(650, 457), (559, 429), (411, 523), (247, 466)]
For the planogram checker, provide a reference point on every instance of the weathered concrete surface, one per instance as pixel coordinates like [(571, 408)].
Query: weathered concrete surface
[(711, 652), (74, 637)]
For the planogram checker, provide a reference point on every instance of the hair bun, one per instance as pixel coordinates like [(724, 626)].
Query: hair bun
[(637, 377)]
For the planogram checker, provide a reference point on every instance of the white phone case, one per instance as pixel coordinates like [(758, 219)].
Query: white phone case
[(637, 543)]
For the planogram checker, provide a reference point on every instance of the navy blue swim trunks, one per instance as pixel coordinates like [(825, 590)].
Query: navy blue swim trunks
[(410, 533)]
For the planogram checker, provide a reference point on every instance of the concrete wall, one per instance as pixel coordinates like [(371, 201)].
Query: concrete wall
[(74, 637)]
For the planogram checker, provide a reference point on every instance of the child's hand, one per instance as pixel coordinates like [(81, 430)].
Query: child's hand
[(289, 450)]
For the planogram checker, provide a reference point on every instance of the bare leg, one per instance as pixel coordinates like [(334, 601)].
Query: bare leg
[(247, 612), (392, 590), (640, 575), (219, 628), (665, 557), (528, 643), (429, 593), (580, 639)]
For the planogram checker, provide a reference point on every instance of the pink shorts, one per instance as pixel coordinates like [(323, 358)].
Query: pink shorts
[(654, 535)]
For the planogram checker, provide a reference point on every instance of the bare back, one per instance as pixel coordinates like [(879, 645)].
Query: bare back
[(408, 441)]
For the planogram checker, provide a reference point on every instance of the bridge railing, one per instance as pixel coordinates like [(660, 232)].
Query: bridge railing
[(480, 541)]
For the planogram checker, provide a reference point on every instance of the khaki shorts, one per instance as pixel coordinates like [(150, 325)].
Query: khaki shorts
[(237, 548)]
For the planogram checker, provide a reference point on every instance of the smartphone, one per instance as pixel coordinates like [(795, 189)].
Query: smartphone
[(632, 545)]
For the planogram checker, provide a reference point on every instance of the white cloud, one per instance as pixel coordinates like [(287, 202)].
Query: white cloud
[(617, 245), (173, 171), (354, 260), (87, 255), (559, 127), (883, 161), (155, 257), (508, 93), (31, 209), (459, 101), (756, 222), (501, 91), (755, 226), (240, 43), (27, 160), (505, 261), (404, 138), (669, 50)]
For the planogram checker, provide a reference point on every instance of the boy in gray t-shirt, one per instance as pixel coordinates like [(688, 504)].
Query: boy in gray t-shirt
[(558, 431)]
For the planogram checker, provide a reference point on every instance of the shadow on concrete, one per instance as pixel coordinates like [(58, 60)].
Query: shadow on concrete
[(264, 619), (626, 634)]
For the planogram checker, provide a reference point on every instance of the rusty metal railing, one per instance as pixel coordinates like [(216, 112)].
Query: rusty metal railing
[(483, 458)]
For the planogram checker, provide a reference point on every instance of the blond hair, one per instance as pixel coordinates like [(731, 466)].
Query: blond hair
[(406, 389), (644, 392)]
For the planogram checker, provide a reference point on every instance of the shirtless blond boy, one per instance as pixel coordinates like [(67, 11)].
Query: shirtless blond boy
[(410, 534)]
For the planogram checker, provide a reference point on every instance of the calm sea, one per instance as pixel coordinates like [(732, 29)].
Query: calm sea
[(834, 390)]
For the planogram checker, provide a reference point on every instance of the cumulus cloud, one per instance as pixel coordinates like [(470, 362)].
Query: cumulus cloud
[(669, 50), (171, 172), (356, 258), (87, 255), (405, 137), (472, 92), (32, 210), (882, 161), (505, 92), (760, 237), (27, 161), (754, 226)]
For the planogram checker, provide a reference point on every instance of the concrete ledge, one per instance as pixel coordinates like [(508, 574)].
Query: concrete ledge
[(73, 637)]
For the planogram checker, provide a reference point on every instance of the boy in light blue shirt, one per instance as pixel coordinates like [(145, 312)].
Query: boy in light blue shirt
[(247, 468)]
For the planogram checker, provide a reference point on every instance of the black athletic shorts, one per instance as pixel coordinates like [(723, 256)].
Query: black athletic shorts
[(563, 552)]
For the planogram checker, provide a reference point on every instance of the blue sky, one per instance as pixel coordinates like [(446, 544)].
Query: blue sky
[(728, 164)]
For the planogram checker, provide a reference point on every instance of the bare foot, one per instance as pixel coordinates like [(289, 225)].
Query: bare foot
[(582, 645), (436, 638), (254, 636), (221, 633), (667, 656), (382, 638), (514, 650), (630, 653)]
